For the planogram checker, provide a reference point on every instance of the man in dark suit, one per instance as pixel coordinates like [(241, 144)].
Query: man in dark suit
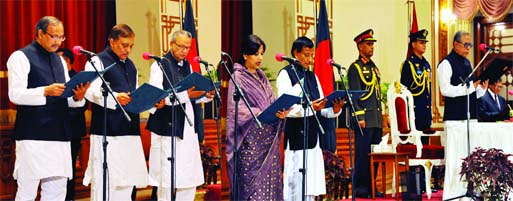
[(492, 106)]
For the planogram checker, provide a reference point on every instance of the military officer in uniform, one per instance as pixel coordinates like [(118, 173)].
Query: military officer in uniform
[(363, 74), (416, 76)]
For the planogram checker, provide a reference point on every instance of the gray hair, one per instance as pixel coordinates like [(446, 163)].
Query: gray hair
[(458, 34), (180, 32), (45, 21)]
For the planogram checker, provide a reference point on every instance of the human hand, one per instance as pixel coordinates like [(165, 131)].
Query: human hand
[(362, 123), (319, 104), (161, 103), (338, 104), (193, 94), (210, 94), (80, 90), (282, 114), (55, 89), (123, 98)]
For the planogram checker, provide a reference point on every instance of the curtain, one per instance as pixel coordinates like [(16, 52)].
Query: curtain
[(494, 10), (86, 23), (236, 23)]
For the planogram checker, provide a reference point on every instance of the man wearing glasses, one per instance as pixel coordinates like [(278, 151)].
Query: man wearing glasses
[(492, 106), (452, 70), (42, 128), (188, 166)]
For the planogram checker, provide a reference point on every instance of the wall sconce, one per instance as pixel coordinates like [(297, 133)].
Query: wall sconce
[(447, 17)]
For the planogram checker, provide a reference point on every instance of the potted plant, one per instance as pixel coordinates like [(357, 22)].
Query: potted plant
[(489, 173), (337, 176)]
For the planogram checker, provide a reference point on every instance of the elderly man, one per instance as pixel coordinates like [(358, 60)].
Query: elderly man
[(189, 169)]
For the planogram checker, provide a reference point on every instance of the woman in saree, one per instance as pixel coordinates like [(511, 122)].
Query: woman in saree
[(259, 166)]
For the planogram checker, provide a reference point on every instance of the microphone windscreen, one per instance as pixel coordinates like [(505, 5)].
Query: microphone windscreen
[(482, 47), (510, 92), (196, 59), (76, 50), (279, 57), (329, 61), (146, 56)]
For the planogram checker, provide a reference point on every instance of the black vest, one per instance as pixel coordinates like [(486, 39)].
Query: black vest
[(294, 126), (456, 107), (161, 122), (122, 78), (50, 121)]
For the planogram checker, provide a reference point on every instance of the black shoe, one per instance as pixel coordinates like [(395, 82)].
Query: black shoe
[(360, 193)]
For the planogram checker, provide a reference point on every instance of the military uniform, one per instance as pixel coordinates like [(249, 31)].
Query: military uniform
[(416, 76), (363, 74)]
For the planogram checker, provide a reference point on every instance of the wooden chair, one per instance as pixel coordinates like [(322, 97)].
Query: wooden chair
[(406, 138)]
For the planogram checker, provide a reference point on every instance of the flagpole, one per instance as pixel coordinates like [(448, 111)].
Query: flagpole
[(180, 11), (316, 18)]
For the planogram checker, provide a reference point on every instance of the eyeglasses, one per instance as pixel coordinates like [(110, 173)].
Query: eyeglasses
[(466, 45), (61, 38), (182, 47)]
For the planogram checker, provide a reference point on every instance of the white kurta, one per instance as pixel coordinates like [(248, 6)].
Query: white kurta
[(292, 178), (189, 169), (36, 159), (444, 73), (125, 156)]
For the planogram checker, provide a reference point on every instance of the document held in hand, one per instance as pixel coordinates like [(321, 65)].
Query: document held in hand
[(285, 101), (194, 79), (494, 68), (144, 98), (81, 78), (342, 94)]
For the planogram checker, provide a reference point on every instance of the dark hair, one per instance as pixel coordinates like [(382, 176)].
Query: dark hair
[(45, 21), (121, 30), (301, 43), (250, 46), (67, 53)]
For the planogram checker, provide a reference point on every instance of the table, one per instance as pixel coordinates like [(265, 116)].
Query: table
[(383, 158), (484, 135)]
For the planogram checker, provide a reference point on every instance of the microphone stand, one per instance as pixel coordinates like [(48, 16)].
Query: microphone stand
[(217, 102), (305, 103), (106, 90), (352, 111), (236, 97), (466, 82), (172, 98)]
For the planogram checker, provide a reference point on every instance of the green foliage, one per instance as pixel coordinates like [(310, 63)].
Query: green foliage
[(384, 90)]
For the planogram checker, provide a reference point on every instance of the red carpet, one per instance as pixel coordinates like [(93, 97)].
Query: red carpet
[(434, 197)]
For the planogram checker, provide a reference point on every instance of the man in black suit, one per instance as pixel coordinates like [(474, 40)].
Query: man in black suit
[(492, 106)]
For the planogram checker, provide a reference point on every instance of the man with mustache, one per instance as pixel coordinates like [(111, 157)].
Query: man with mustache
[(42, 133)]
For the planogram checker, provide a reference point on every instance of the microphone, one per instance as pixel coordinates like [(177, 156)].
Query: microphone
[(148, 56), (332, 63), (280, 57), (483, 47), (78, 50), (199, 60)]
